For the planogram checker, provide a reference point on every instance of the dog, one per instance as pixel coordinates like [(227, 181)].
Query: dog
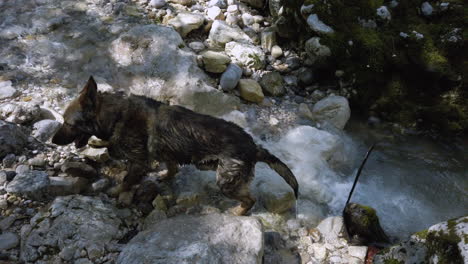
[(141, 130)]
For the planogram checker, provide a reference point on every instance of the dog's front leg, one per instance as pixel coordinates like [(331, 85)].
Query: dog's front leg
[(136, 171)]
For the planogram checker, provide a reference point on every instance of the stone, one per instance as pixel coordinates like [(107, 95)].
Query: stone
[(97, 154), (230, 78), (426, 9), (215, 62), (359, 252), (182, 2), (268, 39), (306, 77), (12, 139), (213, 238), (19, 113), (231, 20), (8, 240), (21, 168), (320, 251), (61, 186), (250, 90), (3, 178), (222, 33), (304, 111), (247, 19), (6, 222), (255, 3), (332, 228), (316, 51), (185, 23), (9, 160), (31, 184), (84, 223), (45, 129), (363, 224), (276, 52), (332, 109), (318, 26), (273, 84), (38, 161), (100, 185), (217, 3), (197, 46), (384, 13), (157, 3), (214, 13), (7, 91), (253, 35), (246, 54), (78, 169)]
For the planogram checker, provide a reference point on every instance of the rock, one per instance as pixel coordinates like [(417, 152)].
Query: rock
[(212, 238), (45, 129), (79, 169), (3, 178), (12, 139), (445, 241), (358, 252), (426, 9), (8, 240), (100, 185), (214, 13), (318, 26), (197, 46), (97, 154), (255, 3), (31, 184), (253, 35), (230, 78), (316, 51), (320, 252), (250, 90), (293, 63), (383, 13), (363, 224), (72, 223), (247, 19), (182, 2), (276, 52), (268, 39), (273, 84), (61, 186), (217, 3), (7, 91), (21, 169), (332, 228), (9, 160), (215, 62), (157, 3), (184, 23), (6, 222), (332, 109), (304, 111), (38, 161), (246, 54), (19, 113), (221, 33)]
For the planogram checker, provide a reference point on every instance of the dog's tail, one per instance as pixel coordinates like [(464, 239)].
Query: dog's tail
[(277, 165)]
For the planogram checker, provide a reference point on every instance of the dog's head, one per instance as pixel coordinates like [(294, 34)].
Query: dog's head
[(79, 118)]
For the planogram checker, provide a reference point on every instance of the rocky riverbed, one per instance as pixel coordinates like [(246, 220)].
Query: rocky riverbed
[(223, 58)]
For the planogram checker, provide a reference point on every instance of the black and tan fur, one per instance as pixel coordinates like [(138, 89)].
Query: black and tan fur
[(141, 130)]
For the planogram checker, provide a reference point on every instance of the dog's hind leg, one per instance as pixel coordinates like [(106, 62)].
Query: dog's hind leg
[(233, 178)]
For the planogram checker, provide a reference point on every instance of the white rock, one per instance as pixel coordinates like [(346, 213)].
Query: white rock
[(384, 13), (318, 26), (276, 51), (332, 228), (221, 33), (157, 3), (233, 9), (214, 13), (184, 23), (316, 51), (332, 109), (359, 252), (427, 8), (320, 251), (246, 54), (247, 19), (218, 3), (7, 90)]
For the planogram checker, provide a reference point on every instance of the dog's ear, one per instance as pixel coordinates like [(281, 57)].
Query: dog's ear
[(89, 94)]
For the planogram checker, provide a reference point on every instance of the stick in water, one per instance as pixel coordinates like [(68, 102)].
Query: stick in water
[(359, 173)]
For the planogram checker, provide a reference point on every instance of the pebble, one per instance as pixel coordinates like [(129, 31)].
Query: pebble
[(157, 3)]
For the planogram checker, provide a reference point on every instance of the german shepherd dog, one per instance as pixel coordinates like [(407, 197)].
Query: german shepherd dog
[(141, 130)]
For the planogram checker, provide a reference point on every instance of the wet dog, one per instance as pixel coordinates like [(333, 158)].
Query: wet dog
[(142, 130)]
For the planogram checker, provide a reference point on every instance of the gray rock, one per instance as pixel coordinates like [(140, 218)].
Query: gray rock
[(317, 25), (218, 3), (22, 169), (246, 54), (268, 38), (306, 77), (6, 222), (384, 13), (181, 2), (96, 154), (197, 46), (60, 186), (222, 33), (8, 240), (19, 113), (250, 90), (304, 111), (157, 3), (79, 169), (230, 78), (38, 161), (426, 8), (74, 222), (253, 35), (184, 23), (3, 178), (247, 19), (212, 238), (293, 63), (273, 84), (7, 91), (316, 51), (100, 185), (31, 184), (9, 160), (12, 139), (332, 109), (45, 129), (215, 62)]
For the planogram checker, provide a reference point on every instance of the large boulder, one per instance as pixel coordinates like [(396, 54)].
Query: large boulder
[(31, 184), (185, 23), (12, 139), (444, 242), (332, 109), (222, 33), (212, 238), (71, 226), (246, 54)]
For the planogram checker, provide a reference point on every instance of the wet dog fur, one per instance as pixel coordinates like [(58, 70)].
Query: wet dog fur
[(142, 130)]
